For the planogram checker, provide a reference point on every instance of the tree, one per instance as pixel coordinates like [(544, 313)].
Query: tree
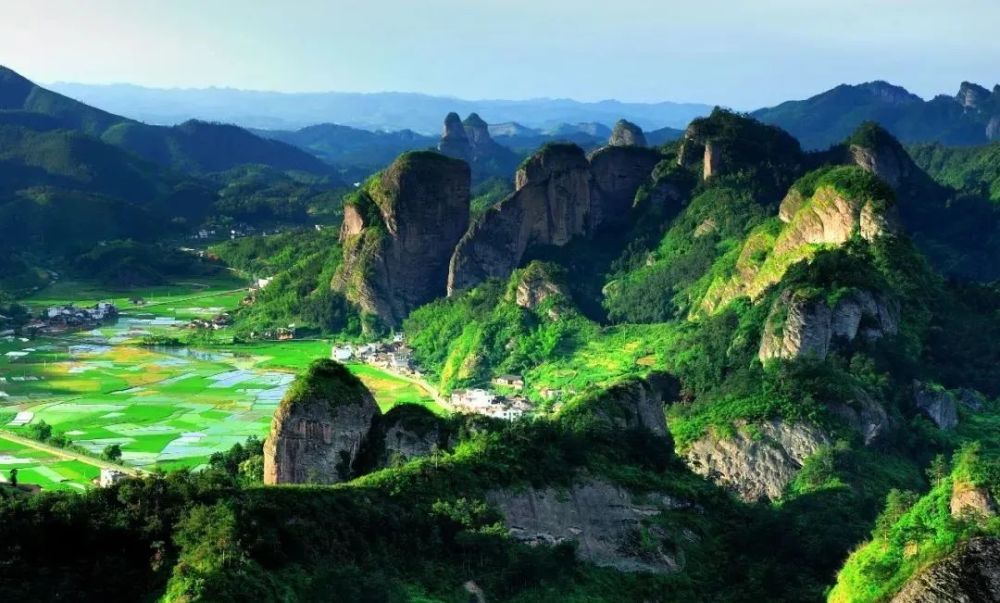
[(13, 477), (112, 452)]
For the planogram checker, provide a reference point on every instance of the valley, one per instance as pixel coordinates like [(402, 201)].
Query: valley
[(753, 359)]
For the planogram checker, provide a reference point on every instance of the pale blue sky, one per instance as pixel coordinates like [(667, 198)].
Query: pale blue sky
[(742, 53)]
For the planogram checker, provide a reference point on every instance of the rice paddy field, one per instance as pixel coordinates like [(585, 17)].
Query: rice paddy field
[(167, 407)]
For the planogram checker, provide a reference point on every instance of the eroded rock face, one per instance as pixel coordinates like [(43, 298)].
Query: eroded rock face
[(559, 195), (627, 134), (399, 234), (830, 218), (603, 519), (969, 501), (538, 282), (937, 403), (865, 415), (409, 432), (319, 427), (617, 173), (800, 326), (639, 404), (970, 575), (758, 462), (993, 129)]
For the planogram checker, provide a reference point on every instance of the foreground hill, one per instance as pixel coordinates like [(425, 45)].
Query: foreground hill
[(192, 146), (970, 117)]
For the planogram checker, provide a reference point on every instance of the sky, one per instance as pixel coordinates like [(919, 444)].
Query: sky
[(739, 53)]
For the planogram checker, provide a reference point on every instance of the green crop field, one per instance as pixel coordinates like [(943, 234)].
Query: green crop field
[(42, 468), (167, 407)]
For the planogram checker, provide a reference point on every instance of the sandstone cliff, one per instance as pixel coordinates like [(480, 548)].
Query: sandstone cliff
[(399, 232), (759, 460), (611, 526), (806, 325), (559, 195), (319, 428), (605, 521), (409, 431), (970, 575)]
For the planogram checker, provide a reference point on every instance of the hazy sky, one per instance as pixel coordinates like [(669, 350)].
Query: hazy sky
[(741, 53)]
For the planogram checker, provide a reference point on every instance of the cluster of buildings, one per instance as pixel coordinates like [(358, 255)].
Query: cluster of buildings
[(215, 323), (394, 356), (57, 319), (485, 402)]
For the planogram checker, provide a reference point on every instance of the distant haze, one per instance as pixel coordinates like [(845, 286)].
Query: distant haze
[(376, 111), (738, 54)]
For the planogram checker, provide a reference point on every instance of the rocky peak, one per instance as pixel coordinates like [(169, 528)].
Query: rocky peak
[(476, 129), (627, 134), (551, 161), (559, 194), (399, 232), (890, 94), (319, 427), (876, 151), (454, 140), (972, 96)]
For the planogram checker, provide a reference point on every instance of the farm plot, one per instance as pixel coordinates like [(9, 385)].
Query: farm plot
[(41, 468), (166, 408)]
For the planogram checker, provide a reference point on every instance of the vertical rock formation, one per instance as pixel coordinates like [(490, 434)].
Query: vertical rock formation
[(538, 282), (471, 142), (875, 150), (971, 96), (560, 194), (617, 173), (627, 134), (399, 232), (454, 140), (551, 205), (319, 427)]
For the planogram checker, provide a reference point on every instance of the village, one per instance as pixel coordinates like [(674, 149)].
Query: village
[(395, 356), (60, 319)]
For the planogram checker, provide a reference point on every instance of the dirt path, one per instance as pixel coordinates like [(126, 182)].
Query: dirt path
[(68, 454)]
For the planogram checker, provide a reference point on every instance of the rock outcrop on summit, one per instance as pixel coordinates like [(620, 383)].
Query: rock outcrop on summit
[(471, 142), (560, 194), (399, 232), (319, 428), (627, 134)]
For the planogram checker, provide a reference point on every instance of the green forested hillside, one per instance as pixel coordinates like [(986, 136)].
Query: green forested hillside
[(771, 381)]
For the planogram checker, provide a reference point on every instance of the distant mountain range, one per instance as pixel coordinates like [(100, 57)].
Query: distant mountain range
[(375, 111), (359, 149), (971, 117), (192, 146)]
